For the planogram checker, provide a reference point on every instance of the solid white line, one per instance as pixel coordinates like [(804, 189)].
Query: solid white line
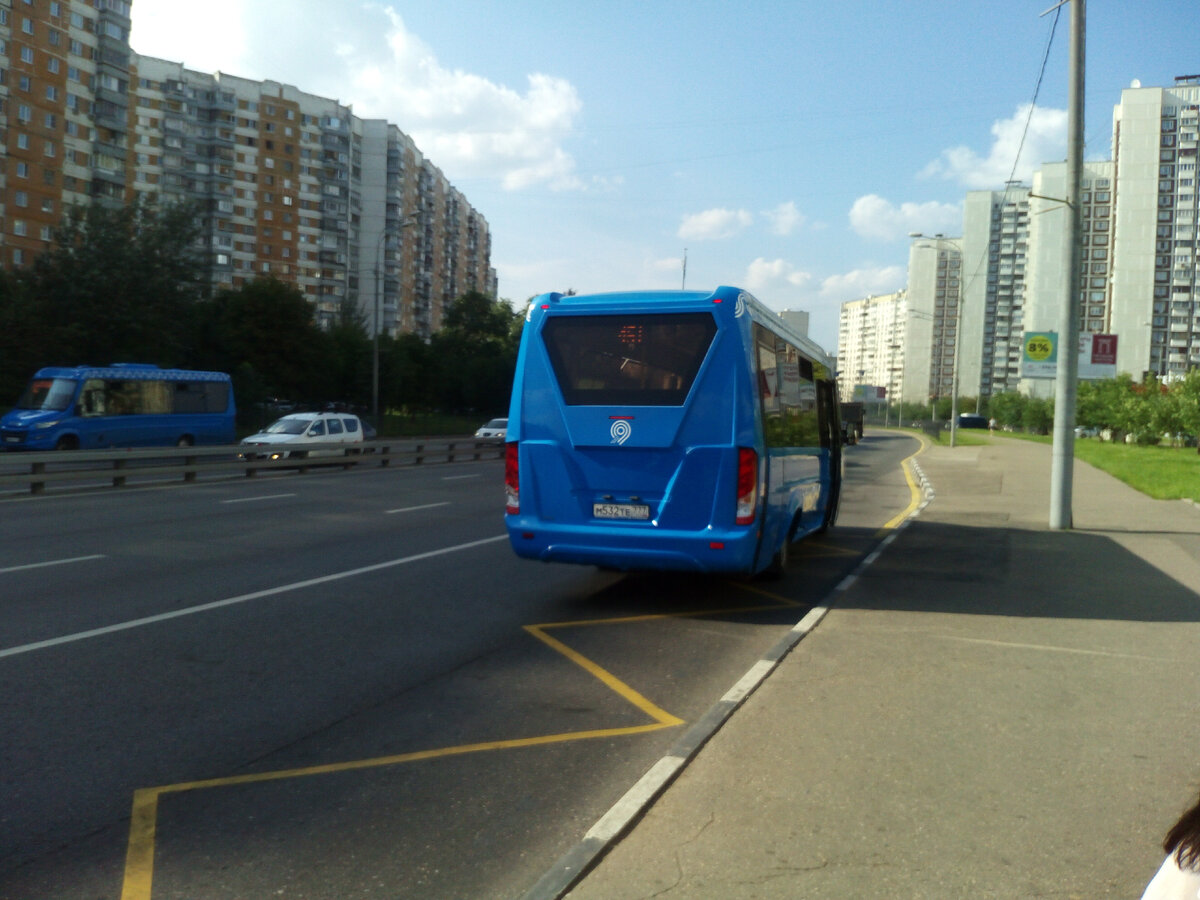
[(748, 682), (253, 499), (811, 619), (616, 819), (53, 562), (243, 598), (388, 512)]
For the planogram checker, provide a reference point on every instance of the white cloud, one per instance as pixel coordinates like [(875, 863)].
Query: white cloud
[(775, 278), (469, 126), (714, 224), (784, 218), (874, 217), (863, 283), (1045, 141)]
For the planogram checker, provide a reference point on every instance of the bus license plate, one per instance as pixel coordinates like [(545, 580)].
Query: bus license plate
[(620, 511)]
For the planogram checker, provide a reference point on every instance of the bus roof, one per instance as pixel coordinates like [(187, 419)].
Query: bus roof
[(129, 372)]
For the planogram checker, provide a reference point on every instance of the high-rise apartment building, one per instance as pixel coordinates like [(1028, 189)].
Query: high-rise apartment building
[(870, 350), (1049, 256), (64, 81), (287, 184), (1155, 289), (994, 249), (931, 322)]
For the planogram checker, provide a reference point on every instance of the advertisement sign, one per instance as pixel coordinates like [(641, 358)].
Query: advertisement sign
[(869, 393), (1039, 354), (1097, 355)]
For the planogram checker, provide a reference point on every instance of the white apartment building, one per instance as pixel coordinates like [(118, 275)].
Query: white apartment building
[(1140, 272), (1155, 293), (995, 245), (1050, 255), (935, 269), (870, 348)]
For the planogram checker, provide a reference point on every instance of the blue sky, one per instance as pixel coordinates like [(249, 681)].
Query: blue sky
[(790, 147)]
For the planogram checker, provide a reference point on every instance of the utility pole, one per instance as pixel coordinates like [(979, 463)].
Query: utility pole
[(683, 284), (1067, 373)]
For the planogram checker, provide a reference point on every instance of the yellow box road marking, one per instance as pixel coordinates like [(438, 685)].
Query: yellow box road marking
[(139, 856)]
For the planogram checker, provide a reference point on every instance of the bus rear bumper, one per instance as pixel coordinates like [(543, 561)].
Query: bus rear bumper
[(641, 551)]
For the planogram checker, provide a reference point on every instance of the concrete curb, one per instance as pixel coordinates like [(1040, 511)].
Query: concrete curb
[(573, 865)]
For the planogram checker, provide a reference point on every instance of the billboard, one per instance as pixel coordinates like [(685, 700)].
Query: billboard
[(869, 393), (1097, 355)]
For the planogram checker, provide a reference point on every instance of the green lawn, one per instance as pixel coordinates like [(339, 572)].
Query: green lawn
[(1165, 473)]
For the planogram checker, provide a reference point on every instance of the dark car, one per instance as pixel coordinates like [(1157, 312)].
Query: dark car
[(971, 420)]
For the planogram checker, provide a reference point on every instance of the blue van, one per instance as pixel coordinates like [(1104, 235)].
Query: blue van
[(122, 405)]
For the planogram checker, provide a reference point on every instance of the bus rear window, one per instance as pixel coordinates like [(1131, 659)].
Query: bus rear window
[(628, 360)]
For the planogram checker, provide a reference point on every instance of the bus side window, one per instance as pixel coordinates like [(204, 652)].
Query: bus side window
[(91, 399), (115, 401)]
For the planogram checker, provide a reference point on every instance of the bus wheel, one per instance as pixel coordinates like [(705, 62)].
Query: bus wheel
[(67, 442), (185, 441)]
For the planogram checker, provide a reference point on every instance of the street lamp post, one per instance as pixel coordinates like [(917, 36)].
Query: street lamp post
[(954, 371), (375, 338)]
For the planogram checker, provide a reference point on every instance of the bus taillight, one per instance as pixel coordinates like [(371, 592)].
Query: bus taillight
[(747, 485), (512, 485)]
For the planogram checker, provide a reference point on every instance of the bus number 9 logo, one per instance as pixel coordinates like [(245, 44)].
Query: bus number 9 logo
[(620, 431)]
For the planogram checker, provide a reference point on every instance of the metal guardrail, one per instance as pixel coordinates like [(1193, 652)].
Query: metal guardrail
[(39, 468)]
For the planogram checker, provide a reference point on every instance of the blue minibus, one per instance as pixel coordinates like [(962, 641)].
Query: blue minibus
[(678, 430), (122, 405)]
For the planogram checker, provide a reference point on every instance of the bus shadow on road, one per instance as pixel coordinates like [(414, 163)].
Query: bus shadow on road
[(816, 565)]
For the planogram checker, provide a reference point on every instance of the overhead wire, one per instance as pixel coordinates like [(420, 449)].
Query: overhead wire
[(1009, 184)]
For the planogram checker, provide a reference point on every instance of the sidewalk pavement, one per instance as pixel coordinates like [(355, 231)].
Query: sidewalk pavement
[(990, 710)]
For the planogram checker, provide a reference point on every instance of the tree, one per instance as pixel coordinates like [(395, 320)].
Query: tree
[(1136, 408), (264, 334), (23, 336), (476, 354), (348, 371), (1037, 416), (119, 285), (1186, 396), (1008, 409)]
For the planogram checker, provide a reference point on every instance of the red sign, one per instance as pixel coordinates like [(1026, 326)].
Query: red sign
[(1104, 349)]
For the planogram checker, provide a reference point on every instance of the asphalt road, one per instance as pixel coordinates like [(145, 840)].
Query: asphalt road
[(345, 685)]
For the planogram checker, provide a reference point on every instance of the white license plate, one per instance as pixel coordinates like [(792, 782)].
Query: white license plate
[(620, 511)]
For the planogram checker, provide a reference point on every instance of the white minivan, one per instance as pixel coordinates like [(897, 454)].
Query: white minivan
[(293, 435)]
